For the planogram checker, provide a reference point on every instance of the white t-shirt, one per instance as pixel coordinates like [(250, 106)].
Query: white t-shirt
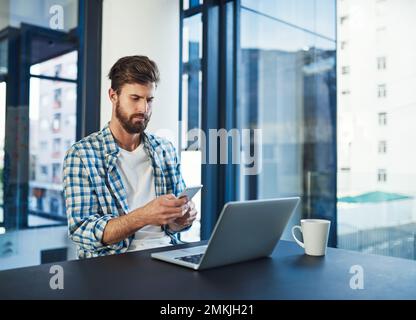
[(136, 171)]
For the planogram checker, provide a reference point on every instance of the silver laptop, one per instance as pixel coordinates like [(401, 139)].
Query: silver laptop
[(244, 231)]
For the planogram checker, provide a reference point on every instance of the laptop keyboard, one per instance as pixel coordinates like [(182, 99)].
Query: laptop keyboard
[(195, 258)]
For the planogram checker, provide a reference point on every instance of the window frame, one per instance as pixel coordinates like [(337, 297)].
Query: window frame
[(218, 78)]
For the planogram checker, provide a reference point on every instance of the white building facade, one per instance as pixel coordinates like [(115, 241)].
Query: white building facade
[(376, 96)]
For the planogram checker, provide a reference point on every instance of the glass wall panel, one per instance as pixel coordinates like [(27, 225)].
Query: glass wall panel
[(52, 132), (189, 4), (64, 66), (376, 112), (2, 132), (287, 90), (50, 14), (3, 57), (38, 119), (191, 110), (191, 76), (311, 15)]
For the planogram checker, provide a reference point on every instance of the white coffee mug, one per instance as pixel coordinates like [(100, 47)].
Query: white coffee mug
[(315, 236)]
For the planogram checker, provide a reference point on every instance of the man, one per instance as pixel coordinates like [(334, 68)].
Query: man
[(121, 184)]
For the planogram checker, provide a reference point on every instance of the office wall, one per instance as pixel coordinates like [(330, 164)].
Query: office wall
[(146, 27)]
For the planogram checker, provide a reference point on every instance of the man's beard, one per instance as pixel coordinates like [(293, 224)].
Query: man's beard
[(129, 124)]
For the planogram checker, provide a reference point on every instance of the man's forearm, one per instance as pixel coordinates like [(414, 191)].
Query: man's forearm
[(120, 228)]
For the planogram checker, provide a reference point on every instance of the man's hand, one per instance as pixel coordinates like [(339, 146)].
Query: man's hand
[(160, 211), (163, 210), (186, 220)]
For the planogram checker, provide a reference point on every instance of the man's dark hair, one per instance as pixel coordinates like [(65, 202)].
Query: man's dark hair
[(133, 69)]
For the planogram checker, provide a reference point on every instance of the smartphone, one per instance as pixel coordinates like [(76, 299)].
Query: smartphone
[(190, 191)]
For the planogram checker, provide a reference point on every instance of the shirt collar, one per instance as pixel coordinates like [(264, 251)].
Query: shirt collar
[(111, 147), (110, 144)]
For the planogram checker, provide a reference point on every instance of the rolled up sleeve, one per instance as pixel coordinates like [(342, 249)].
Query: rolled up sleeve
[(86, 221)]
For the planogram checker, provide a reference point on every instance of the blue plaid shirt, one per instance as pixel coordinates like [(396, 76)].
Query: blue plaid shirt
[(94, 190)]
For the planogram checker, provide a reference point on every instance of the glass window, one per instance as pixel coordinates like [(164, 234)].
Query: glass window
[(56, 122), (3, 56), (382, 91), (381, 63), (191, 111), (382, 175), (46, 97), (56, 173), (315, 16), (56, 14), (33, 130), (44, 170), (64, 67), (57, 98), (382, 147), (382, 118), (2, 133), (286, 89), (376, 199), (187, 4), (191, 76), (56, 147)]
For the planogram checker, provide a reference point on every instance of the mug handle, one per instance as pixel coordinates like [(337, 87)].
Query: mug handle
[(296, 239)]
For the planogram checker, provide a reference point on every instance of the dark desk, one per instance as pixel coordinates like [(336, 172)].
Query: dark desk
[(289, 274)]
